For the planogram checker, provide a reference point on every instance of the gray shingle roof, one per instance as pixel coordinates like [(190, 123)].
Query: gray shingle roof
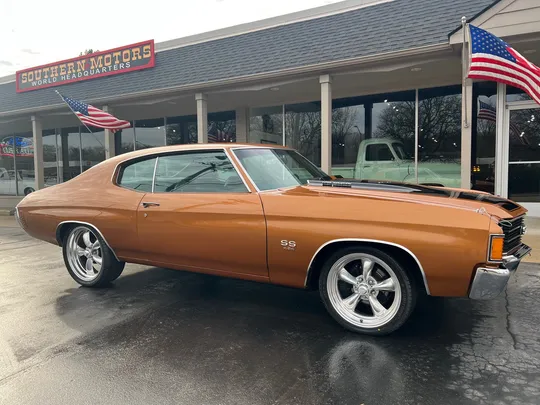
[(387, 27)]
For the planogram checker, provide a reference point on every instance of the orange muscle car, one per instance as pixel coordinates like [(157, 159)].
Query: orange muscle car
[(267, 214)]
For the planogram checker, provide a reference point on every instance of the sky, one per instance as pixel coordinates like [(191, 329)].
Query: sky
[(33, 32)]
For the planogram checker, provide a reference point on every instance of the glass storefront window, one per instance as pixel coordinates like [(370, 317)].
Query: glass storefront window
[(93, 147), (51, 157), (149, 133), (8, 181), (516, 94), (181, 130), (484, 135), (24, 162), (124, 140), (439, 136), (387, 150), (348, 132), (70, 142), (303, 129), (266, 125), (222, 127)]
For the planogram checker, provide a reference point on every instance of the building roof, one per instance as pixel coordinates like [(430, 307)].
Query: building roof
[(378, 29)]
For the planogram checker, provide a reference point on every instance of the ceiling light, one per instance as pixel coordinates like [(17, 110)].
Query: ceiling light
[(274, 88), (416, 69)]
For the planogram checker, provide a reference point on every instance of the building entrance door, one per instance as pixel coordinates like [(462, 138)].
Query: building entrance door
[(521, 155)]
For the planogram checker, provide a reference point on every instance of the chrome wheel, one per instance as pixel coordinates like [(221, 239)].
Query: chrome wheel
[(364, 290), (84, 253)]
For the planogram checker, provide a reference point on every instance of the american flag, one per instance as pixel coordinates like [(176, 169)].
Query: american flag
[(90, 115), (220, 136), (487, 112), (493, 59)]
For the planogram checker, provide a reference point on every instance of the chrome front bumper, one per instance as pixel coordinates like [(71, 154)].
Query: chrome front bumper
[(488, 282)]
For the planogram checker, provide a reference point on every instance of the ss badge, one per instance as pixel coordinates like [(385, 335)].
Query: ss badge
[(288, 244)]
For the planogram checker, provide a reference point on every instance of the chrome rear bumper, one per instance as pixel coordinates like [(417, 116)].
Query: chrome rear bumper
[(488, 282)]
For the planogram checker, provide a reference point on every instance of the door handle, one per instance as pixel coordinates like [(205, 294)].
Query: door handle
[(149, 204)]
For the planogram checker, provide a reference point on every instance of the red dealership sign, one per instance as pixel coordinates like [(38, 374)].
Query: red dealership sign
[(114, 61)]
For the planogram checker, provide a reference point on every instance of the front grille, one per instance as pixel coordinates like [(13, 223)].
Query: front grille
[(513, 231)]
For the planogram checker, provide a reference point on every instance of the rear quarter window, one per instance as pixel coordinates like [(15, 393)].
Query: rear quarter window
[(137, 175)]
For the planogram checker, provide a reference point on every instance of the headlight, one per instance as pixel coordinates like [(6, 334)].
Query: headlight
[(496, 245)]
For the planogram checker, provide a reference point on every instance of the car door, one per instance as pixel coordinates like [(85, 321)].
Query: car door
[(201, 215)]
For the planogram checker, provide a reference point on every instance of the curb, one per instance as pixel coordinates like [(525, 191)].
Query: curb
[(7, 212)]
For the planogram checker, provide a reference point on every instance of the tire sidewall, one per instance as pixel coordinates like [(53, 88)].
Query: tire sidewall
[(406, 282)]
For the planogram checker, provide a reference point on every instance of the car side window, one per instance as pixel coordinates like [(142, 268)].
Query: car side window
[(378, 153), (138, 175), (197, 172)]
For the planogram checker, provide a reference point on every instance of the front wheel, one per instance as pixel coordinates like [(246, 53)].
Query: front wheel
[(367, 291), (88, 259)]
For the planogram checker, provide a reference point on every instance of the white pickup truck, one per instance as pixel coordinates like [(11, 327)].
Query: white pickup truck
[(8, 184), (386, 159)]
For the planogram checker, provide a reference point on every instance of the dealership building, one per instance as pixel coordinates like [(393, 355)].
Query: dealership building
[(362, 88)]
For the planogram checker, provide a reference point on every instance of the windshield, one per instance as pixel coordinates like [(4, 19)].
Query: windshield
[(278, 168), (400, 151)]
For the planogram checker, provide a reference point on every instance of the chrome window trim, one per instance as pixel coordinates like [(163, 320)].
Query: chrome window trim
[(370, 241), (87, 224), (238, 172), (154, 175), (156, 155), (249, 177)]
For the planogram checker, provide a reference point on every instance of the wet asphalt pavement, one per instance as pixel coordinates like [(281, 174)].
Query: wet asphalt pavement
[(167, 337)]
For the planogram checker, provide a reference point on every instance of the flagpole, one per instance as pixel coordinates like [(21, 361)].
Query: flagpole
[(464, 64)]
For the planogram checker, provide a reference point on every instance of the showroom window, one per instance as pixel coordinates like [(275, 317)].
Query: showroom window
[(266, 125), (303, 129), (222, 127), (51, 162), (484, 136), (374, 127), (439, 136), (17, 176), (201, 172), (181, 130), (92, 147), (124, 140), (149, 133)]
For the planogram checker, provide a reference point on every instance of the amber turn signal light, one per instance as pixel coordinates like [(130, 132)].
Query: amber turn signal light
[(496, 248)]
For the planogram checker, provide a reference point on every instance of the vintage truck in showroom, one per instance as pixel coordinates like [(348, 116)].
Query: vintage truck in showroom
[(267, 214)]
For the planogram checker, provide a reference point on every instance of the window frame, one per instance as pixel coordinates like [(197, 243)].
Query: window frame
[(379, 145), (120, 167)]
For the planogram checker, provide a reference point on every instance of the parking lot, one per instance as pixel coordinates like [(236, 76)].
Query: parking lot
[(168, 337)]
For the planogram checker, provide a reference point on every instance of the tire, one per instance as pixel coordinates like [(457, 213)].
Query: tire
[(28, 190), (340, 292), (82, 243)]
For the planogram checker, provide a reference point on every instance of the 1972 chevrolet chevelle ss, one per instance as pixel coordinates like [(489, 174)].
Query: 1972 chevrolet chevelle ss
[(267, 214)]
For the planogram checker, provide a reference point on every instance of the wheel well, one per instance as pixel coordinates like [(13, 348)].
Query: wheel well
[(62, 230), (402, 256)]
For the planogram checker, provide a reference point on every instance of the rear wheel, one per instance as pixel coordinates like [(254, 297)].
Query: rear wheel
[(88, 259), (367, 291)]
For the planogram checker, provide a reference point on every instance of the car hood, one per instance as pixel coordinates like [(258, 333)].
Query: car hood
[(420, 194)]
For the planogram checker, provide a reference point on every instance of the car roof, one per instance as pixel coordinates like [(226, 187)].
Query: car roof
[(192, 146)]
